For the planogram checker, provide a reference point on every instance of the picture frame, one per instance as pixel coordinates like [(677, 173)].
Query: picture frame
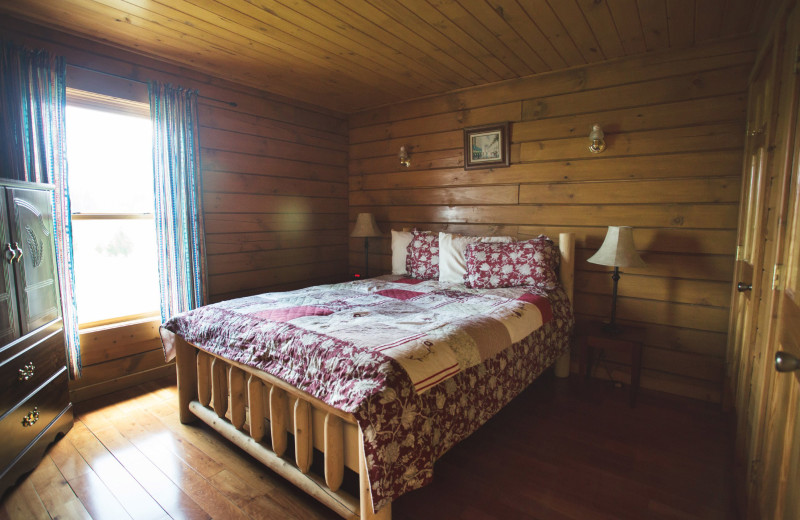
[(487, 146)]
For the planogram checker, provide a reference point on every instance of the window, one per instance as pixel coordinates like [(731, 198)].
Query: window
[(109, 152)]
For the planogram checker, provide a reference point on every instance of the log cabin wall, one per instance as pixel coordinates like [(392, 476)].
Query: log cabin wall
[(674, 125), (275, 194)]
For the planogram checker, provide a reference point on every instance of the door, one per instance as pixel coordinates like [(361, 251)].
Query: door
[(743, 357), (31, 222), (9, 321)]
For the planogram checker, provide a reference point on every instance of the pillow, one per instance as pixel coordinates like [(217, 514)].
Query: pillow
[(400, 241), (452, 262), (422, 260), (532, 262)]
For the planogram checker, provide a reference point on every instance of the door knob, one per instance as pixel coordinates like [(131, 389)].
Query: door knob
[(785, 362), (742, 287)]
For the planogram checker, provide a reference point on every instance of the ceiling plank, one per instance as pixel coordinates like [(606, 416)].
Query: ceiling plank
[(571, 17), (653, 15), (680, 16), (626, 18), (708, 20), (542, 14), (519, 20), (599, 19)]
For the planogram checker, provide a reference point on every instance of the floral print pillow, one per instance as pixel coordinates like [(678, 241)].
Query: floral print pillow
[(532, 262), (422, 258)]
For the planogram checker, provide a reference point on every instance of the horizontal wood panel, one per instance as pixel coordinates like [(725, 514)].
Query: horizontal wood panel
[(225, 243), (249, 203), (253, 280), (225, 182), (216, 139), (679, 290), (220, 223), (245, 262), (452, 196), (725, 189), (704, 216), (683, 165), (234, 162)]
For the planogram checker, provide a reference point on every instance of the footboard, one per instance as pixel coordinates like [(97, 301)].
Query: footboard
[(256, 411)]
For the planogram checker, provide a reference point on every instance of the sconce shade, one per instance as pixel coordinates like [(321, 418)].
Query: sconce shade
[(618, 249), (597, 133), (366, 226)]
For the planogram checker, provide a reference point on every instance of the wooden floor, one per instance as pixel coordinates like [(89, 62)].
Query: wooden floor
[(561, 450)]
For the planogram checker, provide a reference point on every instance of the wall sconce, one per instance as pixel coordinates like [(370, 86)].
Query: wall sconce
[(403, 155), (597, 137)]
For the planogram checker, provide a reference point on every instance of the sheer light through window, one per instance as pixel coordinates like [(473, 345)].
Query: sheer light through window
[(111, 189)]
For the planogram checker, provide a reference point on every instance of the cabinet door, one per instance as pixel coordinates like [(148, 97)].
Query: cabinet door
[(31, 223), (9, 324)]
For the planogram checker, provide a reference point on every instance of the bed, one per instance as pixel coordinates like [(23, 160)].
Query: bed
[(333, 379)]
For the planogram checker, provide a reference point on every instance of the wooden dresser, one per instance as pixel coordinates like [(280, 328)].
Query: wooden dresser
[(34, 397)]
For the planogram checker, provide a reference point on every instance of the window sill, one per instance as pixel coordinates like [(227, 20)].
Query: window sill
[(123, 321)]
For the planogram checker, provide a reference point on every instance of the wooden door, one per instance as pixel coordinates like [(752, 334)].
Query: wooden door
[(750, 249), (779, 454), (9, 320), (31, 222)]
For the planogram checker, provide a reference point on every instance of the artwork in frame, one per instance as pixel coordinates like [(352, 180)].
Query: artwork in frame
[(486, 146)]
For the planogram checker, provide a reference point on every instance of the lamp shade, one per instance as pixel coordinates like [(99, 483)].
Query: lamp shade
[(366, 226), (618, 249)]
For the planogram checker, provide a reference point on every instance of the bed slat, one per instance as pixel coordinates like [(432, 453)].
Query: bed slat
[(334, 452), (203, 378), (303, 442), (255, 399), (278, 417), (237, 397), (219, 386)]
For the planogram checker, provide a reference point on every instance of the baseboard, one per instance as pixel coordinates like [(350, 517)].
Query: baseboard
[(112, 385)]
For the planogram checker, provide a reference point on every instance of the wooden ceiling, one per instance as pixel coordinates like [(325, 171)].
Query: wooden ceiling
[(348, 55)]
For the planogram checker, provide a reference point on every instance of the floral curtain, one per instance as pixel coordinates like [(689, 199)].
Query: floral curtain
[(178, 197), (33, 97)]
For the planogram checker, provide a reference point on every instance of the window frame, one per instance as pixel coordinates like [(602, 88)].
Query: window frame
[(107, 103)]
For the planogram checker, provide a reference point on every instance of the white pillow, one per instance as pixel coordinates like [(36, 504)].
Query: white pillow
[(452, 262), (400, 241)]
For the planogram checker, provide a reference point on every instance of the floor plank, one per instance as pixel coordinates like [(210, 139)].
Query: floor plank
[(563, 450)]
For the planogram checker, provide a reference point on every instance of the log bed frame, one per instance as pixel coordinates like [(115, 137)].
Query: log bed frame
[(235, 399)]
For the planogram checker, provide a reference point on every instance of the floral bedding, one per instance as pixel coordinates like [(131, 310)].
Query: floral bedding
[(419, 364)]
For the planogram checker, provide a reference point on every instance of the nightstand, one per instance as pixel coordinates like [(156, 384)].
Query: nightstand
[(591, 335)]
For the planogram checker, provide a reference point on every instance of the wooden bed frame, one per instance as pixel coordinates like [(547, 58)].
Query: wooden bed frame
[(235, 400)]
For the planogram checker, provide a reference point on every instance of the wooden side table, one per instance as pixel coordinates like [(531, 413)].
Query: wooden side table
[(591, 335)]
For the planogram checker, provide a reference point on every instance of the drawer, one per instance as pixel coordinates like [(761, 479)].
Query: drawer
[(50, 399), (40, 358)]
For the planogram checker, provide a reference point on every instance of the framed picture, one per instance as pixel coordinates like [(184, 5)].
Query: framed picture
[(486, 146)]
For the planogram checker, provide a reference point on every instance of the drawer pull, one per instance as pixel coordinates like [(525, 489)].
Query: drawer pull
[(31, 418), (26, 372)]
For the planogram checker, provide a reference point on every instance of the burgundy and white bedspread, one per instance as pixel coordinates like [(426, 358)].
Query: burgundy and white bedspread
[(420, 364)]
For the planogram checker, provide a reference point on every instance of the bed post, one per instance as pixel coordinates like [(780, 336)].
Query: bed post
[(566, 244), (186, 365)]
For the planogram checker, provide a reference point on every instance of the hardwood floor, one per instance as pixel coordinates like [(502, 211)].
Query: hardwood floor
[(561, 450)]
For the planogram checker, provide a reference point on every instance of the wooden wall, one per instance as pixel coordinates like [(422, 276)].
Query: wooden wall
[(674, 128), (275, 193)]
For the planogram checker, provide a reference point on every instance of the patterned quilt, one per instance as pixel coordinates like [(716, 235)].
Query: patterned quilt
[(420, 364)]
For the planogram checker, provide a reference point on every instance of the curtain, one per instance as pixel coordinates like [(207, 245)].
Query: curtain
[(178, 197), (33, 97)]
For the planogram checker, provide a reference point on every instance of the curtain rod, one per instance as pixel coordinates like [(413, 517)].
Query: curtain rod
[(119, 76)]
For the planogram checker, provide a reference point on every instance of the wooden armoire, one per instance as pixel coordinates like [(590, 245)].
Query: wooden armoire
[(34, 398)]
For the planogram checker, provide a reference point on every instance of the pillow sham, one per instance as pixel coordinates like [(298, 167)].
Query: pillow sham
[(400, 241), (531, 262), (452, 250), (422, 260)]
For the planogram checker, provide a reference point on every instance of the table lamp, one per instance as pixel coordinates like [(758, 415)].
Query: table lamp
[(617, 251), (366, 227)]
